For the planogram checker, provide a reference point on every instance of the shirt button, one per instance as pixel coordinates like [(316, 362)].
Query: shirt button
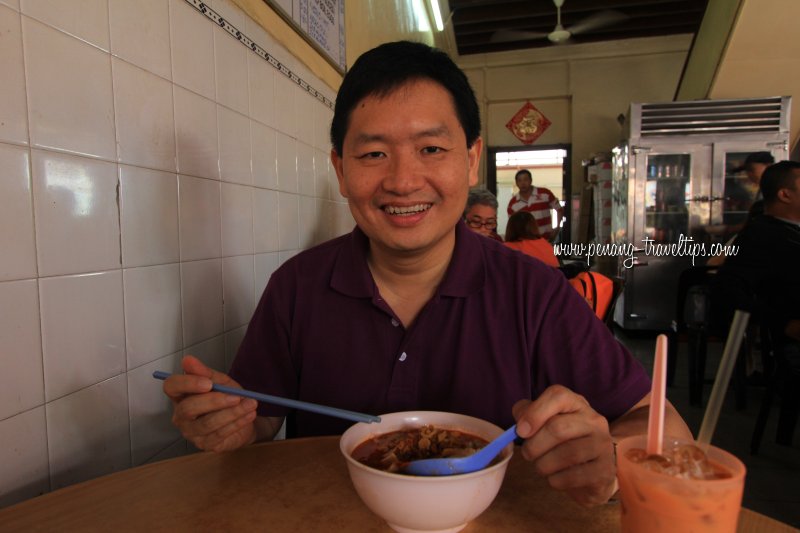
[(395, 322), (403, 356)]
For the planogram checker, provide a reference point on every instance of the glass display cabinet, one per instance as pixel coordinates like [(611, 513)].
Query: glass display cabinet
[(677, 192)]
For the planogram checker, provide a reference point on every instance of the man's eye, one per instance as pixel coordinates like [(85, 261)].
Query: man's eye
[(371, 155), (433, 150)]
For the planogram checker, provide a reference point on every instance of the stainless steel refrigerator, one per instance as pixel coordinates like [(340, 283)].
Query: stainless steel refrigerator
[(678, 193)]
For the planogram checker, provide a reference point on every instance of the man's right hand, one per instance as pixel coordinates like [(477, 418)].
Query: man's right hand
[(212, 421)]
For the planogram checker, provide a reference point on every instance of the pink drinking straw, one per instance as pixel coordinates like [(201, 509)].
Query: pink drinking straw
[(658, 398)]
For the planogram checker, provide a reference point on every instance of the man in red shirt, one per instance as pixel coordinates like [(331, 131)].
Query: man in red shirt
[(539, 202)]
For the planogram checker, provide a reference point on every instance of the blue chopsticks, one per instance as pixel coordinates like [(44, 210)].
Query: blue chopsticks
[(286, 402)]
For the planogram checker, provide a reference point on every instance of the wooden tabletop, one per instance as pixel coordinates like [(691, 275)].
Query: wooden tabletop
[(295, 485)]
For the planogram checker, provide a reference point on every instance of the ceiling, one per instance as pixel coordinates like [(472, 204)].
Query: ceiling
[(482, 26)]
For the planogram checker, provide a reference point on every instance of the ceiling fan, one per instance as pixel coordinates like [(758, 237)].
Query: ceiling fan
[(560, 35)]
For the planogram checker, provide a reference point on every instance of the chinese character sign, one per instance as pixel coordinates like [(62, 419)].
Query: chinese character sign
[(528, 123)]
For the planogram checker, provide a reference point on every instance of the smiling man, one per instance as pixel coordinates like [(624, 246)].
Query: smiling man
[(412, 310)]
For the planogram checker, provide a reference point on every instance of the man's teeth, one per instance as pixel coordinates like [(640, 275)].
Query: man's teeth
[(409, 210)]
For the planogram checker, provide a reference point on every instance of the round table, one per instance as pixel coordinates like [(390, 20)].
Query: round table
[(292, 485)]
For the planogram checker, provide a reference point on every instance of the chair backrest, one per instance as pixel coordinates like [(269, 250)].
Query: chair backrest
[(598, 290), (693, 306), (697, 306)]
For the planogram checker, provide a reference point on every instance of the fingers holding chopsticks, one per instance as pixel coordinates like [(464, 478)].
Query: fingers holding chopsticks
[(209, 420)]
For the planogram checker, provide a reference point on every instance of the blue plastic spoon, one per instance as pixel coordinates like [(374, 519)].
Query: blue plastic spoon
[(462, 465)]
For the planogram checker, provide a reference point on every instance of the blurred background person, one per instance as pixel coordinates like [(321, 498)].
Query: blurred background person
[(522, 233), (754, 166), (748, 195), (539, 202), (762, 277), (481, 213)]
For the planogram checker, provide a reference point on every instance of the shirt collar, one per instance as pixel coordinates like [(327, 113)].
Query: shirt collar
[(465, 275), (788, 221), (351, 275), (467, 271)]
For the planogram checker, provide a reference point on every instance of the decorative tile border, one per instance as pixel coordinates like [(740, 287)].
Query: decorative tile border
[(212, 15)]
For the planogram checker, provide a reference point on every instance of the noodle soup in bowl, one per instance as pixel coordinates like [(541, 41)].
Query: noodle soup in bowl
[(420, 503)]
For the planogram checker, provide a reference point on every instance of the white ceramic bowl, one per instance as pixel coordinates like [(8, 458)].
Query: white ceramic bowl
[(417, 503)]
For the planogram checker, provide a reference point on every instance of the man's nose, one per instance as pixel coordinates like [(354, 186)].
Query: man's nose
[(406, 173)]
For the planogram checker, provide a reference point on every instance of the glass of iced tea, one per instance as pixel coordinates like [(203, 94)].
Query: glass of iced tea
[(684, 489)]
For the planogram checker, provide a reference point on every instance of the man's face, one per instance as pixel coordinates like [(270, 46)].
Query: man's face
[(524, 183), (754, 171), (792, 197), (481, 219), (405, 168)]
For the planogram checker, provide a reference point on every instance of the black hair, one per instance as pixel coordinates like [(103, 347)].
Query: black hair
[(523, 171), (389, 66), (521, 226), (779, 176)]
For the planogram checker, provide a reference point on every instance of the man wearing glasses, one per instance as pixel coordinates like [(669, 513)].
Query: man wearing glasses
[(481, 213)]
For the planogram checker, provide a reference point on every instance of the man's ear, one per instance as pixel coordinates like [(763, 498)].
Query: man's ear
[(784, 195), (474, 159), (336, 161)]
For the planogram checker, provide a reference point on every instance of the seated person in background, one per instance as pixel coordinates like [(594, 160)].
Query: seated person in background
[(762, 277), (717, 260), (742, 195), (481, 213), (412, 310), (754, 166), (522, 233), (538, 201)]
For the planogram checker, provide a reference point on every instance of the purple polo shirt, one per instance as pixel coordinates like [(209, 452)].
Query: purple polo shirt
[(502, 326)]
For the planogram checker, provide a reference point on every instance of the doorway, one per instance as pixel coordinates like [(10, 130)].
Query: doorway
[(550, 166)]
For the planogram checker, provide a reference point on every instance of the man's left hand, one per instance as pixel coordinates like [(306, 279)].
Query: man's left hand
[(569, 444)]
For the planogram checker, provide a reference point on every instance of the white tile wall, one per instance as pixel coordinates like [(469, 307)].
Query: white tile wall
[(24, 471), (237, 283), (265, 166), (199, 208), (153, 323), (150, 410), (237, 219), (231, 72), (234, 146), (261, 77), (83, 332), (196, 128), (88, 432), (154, 172), (149, 216), (70, 102), (18, 259), (20, 348), (85, 19), (144, 116), (305, 169), (192, 40), (201, 286), (13, 4), (140, 34), (77, 217), (265, 220), (286, 148), (14, 126)]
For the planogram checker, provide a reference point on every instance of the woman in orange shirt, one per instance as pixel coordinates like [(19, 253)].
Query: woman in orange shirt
[(522, 234)]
